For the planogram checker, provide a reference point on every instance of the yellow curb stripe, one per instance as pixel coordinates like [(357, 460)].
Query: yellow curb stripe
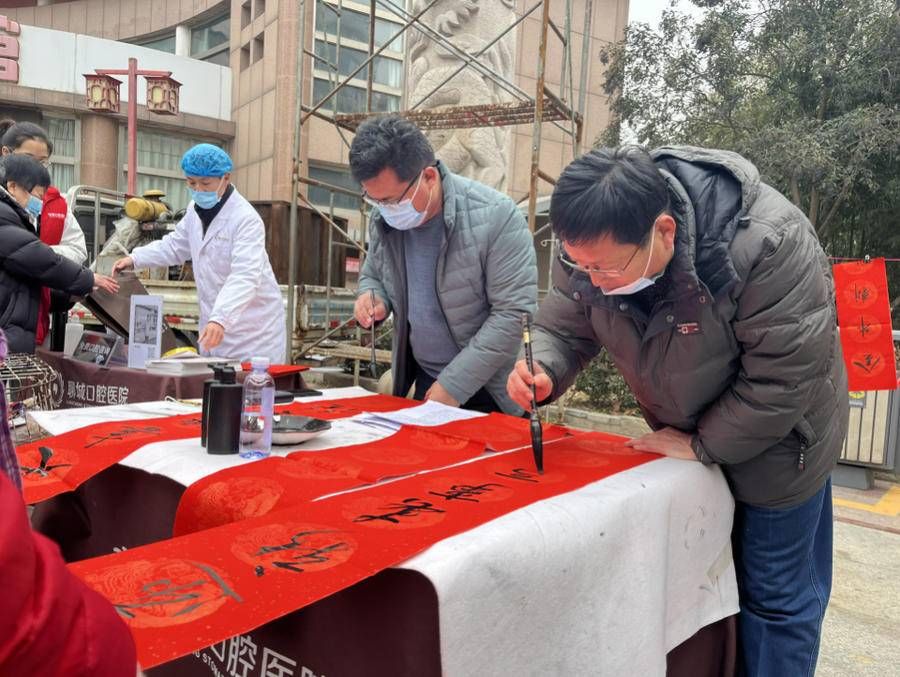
[(888, 504)]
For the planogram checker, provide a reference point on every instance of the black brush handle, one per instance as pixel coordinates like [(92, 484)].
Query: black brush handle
[(529, 357), (374, 365), (537, 442), (537, 437)]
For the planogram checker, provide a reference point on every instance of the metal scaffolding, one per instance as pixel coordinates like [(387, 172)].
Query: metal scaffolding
[(543, 107)]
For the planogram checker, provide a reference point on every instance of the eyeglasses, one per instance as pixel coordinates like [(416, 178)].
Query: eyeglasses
[(45, 162), (595, 270), (390, 203)]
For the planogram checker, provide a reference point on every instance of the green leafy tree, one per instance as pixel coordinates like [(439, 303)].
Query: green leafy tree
[(806, 89)]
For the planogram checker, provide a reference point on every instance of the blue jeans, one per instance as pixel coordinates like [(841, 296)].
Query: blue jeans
[(783, 561)]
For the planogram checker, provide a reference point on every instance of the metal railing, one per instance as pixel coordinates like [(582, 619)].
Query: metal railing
[(103, 198), (872, 434)]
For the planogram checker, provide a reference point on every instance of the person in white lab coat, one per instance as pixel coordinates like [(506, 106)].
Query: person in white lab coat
[(241, 309)]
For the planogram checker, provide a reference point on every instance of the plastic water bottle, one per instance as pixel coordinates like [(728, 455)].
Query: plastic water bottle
[(257, 411)]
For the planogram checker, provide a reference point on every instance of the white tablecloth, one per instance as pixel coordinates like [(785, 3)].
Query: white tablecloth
[(604, 580), (185, 461)]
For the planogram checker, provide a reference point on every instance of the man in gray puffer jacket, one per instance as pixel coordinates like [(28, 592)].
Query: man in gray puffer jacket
[(452, 259), (713, 297)]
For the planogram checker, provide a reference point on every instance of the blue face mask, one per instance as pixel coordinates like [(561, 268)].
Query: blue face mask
[(206, 199), (35, 206)]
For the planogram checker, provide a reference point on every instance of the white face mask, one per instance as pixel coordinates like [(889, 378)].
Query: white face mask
[(639, 284), (403, 216)]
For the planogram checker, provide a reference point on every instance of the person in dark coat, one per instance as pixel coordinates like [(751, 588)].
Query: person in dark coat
[(711, 293), (27, 138), (26, 263)]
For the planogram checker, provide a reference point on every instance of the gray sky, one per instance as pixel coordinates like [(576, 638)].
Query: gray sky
[(649, 11)]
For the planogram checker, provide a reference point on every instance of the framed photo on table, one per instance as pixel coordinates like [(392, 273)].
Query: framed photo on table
[(145, 330)]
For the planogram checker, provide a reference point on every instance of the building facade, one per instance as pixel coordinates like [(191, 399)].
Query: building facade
[(238, 62)]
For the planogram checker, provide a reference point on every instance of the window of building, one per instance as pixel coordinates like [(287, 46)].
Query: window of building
[(337, 176), (388, 72), (64, 134), (159, 165), (387, 75), (210, 40), (259, 47), (355, 25), (222, 58), (353, 99), (164, 43)]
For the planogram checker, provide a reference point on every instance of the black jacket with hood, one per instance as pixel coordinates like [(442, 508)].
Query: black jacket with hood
[(26, 265)]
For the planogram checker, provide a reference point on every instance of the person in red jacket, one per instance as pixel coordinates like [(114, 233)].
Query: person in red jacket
[(53, 221), (51, 623)]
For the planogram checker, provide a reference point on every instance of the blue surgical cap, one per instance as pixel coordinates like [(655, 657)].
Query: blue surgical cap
[(205, 159)]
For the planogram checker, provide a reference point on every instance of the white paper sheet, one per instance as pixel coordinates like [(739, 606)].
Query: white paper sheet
[(427, 414)]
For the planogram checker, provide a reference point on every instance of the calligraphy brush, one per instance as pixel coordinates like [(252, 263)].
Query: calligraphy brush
[(537, 440), (373, 365)]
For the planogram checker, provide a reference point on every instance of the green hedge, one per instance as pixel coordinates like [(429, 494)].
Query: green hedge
[(604, 388)]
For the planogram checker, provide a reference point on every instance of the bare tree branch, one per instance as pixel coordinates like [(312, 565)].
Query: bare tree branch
[(795, 191), (813, 215)]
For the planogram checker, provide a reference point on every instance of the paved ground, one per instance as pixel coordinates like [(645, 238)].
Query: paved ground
[(862, 627)]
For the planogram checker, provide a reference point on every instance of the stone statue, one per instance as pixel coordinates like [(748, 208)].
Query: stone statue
[(480, 153)]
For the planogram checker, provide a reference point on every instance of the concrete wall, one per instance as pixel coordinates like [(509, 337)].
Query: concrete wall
[(114, 19), (263, 96), (608, 21), (205, 91)]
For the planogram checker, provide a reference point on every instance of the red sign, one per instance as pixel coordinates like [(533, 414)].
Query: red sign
[(9, 50), (864, 316), (351, 265)]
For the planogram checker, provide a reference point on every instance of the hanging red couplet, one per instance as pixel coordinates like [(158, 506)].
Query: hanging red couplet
[(864, 316)]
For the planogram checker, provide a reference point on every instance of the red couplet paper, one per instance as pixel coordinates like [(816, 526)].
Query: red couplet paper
[(351, 406), (500, 432), (59, 464), (407, 451), (278, 370), (256, 489), (187, 593), (864, 316)]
